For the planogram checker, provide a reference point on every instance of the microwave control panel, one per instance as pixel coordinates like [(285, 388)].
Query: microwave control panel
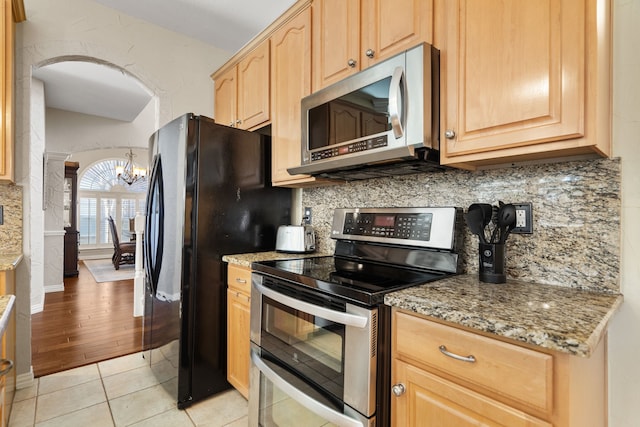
[(354, 147)]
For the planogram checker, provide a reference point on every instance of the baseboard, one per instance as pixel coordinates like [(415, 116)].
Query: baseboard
[(38, 306), (25, 380), (54, 288)]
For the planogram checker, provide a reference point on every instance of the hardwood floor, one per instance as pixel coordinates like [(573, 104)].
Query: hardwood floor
[(87, 323)]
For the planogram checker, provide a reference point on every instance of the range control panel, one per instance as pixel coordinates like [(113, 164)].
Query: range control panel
[(401, 226), (423, 227)]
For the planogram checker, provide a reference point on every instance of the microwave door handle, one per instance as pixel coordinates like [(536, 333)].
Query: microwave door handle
[(396, 93), (314, 406), (335, 316)]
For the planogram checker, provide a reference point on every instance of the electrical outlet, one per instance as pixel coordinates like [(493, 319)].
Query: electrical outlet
[(306, 216), (524, 219)]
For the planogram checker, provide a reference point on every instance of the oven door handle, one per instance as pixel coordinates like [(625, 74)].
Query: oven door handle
[(335, 316), (314, 406)]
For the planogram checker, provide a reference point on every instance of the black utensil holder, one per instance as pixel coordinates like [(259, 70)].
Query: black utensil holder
[(491, 263)]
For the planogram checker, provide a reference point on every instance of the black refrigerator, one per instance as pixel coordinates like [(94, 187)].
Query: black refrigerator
[(209, 195)]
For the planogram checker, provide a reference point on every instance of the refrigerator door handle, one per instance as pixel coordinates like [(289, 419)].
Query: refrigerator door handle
[(154, 221)]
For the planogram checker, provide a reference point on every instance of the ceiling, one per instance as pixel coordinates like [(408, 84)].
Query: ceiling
[(104, 91)]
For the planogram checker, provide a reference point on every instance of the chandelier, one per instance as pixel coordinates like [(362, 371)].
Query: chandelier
[(129, 173)]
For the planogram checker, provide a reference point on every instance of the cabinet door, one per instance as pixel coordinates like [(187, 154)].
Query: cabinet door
[(290, 82), (431, 401), (391, 26), (515, 74), (225, 98), (336, 40), (6, 92), (253, 88), (238, 314)]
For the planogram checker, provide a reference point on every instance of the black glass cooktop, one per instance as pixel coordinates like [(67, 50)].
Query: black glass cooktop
[(362, 282)]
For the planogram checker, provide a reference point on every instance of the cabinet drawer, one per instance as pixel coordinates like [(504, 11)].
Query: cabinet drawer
[(239, 278), (520, 374)]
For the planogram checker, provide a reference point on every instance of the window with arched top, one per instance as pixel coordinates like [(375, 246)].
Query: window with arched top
[(102, 194)]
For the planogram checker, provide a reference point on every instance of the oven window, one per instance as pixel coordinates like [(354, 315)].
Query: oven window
[(359, 114), (308, 345)]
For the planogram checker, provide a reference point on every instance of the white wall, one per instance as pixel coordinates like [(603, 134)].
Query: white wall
[(175, 68), (71, 132), (624, 333)]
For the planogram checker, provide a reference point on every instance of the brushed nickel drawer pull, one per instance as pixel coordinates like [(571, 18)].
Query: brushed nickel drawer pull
[(471, 358), (239, 280)]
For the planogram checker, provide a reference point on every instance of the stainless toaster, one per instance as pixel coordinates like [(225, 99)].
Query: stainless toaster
[(295, 239)]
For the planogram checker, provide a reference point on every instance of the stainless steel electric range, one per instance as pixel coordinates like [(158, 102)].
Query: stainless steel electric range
[(320, 332)]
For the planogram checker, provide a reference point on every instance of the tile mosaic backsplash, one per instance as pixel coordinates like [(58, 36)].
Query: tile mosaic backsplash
[(576, 215), (11, 230)]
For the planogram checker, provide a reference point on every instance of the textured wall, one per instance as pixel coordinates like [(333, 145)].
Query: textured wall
[(11, 230), (576, 210)]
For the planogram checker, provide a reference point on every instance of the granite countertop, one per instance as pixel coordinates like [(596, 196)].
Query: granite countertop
[(558, 318), (245, 260), (9, 261), (6, 306)]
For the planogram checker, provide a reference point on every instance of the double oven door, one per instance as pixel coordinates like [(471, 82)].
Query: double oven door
[(313, 358)]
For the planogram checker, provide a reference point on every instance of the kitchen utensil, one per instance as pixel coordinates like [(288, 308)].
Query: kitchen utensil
[(494, 220), (506, 220), (475, 221), (487, 214)]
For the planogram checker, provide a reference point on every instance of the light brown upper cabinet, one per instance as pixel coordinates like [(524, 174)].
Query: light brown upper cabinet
[(242, 97), (290, 82), (350, 35), (524, 80), (6, 92)]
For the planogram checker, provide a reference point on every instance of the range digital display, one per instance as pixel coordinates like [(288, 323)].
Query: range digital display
[(384, 220)]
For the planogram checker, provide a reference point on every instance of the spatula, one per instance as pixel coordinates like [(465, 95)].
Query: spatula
[(475, 221), (506, 220)]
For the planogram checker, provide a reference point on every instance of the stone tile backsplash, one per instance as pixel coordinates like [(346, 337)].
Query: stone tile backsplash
[(576, 215), (11, 230)]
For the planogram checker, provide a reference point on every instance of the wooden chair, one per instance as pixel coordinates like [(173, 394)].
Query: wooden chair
[(123, 253)]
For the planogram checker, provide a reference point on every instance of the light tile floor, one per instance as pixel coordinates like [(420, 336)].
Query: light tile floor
[(119, 392)]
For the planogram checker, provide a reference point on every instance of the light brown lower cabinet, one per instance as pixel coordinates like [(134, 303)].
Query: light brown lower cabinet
[(446, 376), (238, 311)]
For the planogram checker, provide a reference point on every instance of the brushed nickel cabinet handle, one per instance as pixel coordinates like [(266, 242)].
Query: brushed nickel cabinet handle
[(470, 359), (370, 53), (449, 134), (398, 389), (351, 63), (239, 280)]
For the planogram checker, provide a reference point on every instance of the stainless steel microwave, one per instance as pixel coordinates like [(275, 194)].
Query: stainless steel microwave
[(375, 121)]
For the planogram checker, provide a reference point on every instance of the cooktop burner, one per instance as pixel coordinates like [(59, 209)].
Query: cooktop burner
[(362, 282)]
